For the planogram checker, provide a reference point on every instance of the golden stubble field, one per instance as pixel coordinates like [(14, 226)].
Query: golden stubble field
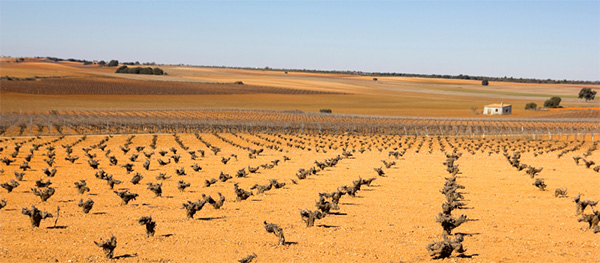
[(391, 220)]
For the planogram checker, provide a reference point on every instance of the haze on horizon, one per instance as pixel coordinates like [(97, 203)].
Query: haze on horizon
[(528, 39)]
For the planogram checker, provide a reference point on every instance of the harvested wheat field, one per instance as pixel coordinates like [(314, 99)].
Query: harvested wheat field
[(384, 198)]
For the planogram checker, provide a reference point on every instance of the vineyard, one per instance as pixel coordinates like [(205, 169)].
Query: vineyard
[(286, 197), (71, 122), (121, 86)]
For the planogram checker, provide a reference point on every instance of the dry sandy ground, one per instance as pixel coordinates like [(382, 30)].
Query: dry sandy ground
[(392, 220), (396, 96)]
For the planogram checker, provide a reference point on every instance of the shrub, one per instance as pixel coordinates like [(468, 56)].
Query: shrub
[(113, 63), (474, 111), (134, 70), (122, 69), (484, 82), (158, 71), (531, 106), (553, 102), (325, 110), (147, 71)]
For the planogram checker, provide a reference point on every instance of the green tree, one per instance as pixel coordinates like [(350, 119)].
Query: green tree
[(122, 69), (553, 102), (147, 71), (113, 63), (135, 70), (531, 106), (484, 82), (140, 70), (158, 71), (102, 63), (587, 94)]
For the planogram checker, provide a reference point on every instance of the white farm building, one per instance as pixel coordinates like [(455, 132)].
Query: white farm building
[(497, 109)]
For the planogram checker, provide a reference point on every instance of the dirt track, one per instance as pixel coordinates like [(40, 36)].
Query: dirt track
[(392, 220)]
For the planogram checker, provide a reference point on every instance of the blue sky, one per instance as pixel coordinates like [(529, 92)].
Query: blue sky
[(530, 39)]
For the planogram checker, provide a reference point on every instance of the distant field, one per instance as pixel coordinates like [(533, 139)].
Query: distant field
[(90, 87)]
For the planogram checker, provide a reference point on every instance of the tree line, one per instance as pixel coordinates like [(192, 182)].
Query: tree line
[(437, 76), (140, 70), (486, 79)]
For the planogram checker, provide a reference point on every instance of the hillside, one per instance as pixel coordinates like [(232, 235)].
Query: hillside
[(262, 89)]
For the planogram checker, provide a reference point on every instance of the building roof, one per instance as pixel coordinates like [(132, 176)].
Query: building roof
[(498, 105)]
